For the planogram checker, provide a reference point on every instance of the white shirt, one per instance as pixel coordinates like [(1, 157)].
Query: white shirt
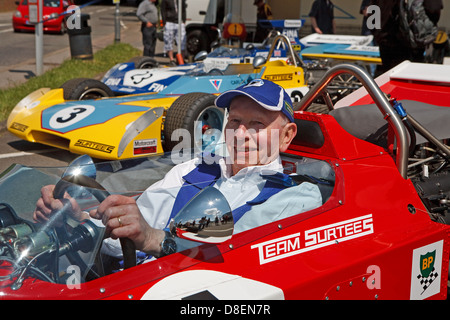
[(157, 201)]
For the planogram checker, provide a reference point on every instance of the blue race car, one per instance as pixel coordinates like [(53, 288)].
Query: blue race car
[(143, 74)]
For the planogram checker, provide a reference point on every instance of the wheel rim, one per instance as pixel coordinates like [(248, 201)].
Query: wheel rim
[(94, 93), (193, 45), (147, 65), (208, 128)]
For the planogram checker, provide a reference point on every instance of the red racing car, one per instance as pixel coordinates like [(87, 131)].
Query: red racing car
[(381, 233)]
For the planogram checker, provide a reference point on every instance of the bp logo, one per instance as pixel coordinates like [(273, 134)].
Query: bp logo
[(427, 263), (427, 272), (425, 277)]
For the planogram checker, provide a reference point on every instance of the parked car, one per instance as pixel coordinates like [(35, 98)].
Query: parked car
[(54, 14)]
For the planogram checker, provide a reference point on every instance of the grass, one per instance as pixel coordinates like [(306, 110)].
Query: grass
[(103, 60)]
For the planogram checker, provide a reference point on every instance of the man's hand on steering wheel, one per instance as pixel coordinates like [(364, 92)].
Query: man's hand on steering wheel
[(123, 219), (47, 206)]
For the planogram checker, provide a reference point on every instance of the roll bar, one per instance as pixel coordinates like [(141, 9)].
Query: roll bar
[(298, 62), (378, 97)]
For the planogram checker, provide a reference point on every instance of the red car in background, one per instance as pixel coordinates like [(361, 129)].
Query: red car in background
[(53, 16)]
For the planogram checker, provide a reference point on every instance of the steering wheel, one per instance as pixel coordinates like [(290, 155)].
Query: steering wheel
[(100, 193)]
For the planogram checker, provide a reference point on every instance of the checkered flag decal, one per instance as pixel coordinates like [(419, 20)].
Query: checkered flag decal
[(426, 282)]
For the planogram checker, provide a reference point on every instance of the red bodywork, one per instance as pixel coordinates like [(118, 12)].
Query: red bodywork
[(372, 239), (359, 245), (51, 8), (426, 83), (423, 92)]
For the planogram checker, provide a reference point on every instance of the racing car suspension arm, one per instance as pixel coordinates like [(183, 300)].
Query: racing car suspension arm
[(378, 97)]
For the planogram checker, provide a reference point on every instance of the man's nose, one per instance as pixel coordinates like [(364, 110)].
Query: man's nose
[(241, 132)]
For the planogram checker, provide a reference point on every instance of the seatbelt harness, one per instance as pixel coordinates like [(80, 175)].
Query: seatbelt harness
[(205, 175)]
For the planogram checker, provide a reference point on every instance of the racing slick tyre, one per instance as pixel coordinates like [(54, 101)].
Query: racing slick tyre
[(85, 89), (196, 113), (144, 62)]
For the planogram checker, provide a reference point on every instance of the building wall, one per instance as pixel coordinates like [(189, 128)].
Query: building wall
[(7, 5), (348, 18)]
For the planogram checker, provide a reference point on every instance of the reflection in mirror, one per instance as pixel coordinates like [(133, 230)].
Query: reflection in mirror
[(258, 61), (206, 218), (202, 55), (82, 165), (82, 172)]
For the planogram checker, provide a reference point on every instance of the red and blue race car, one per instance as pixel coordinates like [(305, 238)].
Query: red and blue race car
[(381, 233)]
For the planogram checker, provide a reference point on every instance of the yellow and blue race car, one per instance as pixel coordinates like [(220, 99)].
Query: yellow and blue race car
[(144, 75), (138, 125)]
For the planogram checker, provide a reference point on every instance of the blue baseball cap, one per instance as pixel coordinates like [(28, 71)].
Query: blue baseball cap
[(264, 92)]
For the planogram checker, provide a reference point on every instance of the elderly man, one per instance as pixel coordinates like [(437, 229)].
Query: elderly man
[(260, 126)]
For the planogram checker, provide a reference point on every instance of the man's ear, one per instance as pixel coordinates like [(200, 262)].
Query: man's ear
[(287, 135)]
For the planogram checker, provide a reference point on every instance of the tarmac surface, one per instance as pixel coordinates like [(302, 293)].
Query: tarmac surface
[(130, 33)]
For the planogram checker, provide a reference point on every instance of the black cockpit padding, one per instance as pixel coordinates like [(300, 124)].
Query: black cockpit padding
[(367, 123), (309, 134)]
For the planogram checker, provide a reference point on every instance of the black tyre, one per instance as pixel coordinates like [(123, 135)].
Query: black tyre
[(196, 113), (144, 62), (85, 89), (196, 41)]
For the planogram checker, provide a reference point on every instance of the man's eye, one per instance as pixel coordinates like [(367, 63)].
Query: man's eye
[(257, 123)]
